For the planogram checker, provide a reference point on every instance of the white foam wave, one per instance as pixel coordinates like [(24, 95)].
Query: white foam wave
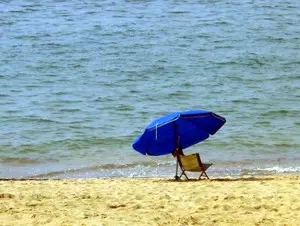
[(280, 169)]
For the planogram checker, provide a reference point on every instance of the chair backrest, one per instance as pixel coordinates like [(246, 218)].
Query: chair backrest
[(190, 162)]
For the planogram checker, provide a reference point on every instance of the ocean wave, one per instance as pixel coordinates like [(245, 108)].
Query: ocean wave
[(242, 101), (230, 62), (296, 63), (278, 169), (67, 145), (176, 94), (23, 161), (178, 12), (37, 119), (274, 39), (7, 22), (263, 123), (103, 99), (110, 167), (68, 110), (224, 47), (125, 107), (281, 112), (60, 93)]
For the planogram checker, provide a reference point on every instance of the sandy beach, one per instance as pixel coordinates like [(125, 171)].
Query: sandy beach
[(272, 200)]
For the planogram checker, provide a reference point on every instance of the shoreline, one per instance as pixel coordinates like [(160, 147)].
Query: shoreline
[(165, 177), (259, 200), (168, 178), (149, 170)]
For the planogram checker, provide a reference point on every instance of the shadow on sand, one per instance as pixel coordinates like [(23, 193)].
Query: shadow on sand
[(224, 179)]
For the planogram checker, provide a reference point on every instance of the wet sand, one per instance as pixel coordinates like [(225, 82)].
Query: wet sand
[(271, 200)]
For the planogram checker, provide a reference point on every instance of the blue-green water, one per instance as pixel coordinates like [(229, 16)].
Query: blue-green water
[(79, 80)]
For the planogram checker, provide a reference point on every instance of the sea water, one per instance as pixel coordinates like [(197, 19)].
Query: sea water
[(79, 80)]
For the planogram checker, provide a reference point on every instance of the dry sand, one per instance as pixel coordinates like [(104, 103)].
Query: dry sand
[(272, 200)]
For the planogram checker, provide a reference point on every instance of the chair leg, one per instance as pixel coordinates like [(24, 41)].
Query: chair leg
[(203, 173), (183, 173)]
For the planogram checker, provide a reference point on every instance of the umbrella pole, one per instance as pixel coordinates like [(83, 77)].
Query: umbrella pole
[(176, 176), (177, 142)]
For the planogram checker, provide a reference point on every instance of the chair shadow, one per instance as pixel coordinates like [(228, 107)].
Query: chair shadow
[(223, 179)]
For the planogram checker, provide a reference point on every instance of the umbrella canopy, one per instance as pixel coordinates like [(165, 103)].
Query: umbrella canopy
[(178, 129)]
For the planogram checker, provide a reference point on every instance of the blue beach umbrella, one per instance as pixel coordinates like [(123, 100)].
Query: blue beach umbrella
[(177, 130)]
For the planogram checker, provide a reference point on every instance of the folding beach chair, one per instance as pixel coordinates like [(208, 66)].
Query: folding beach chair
[(192, 163)]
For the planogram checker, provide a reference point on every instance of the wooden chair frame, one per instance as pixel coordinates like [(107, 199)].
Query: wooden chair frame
[(200, 167)]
